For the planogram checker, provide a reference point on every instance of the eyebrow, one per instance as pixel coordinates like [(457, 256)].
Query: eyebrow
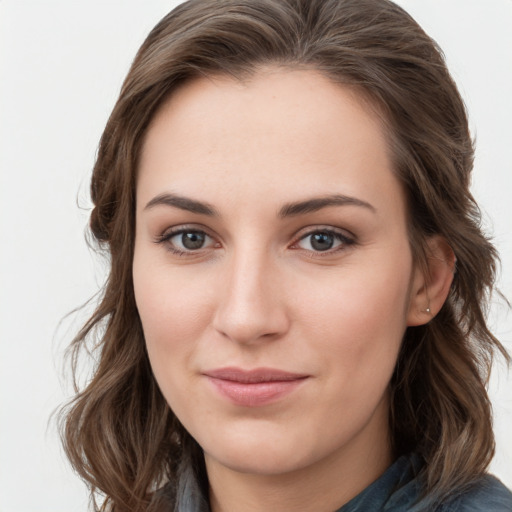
[(288, 210), (318, 203), (183, 203)]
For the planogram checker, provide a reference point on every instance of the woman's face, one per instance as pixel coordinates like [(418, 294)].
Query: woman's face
[(272, 270)]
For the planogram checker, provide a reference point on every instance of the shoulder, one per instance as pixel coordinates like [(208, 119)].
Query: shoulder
[(488, 494)]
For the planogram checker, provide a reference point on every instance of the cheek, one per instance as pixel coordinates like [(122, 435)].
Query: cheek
[(175, 309), (358, 319), (168, 296)]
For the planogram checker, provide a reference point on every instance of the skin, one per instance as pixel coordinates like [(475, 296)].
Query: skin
[(258, 294)]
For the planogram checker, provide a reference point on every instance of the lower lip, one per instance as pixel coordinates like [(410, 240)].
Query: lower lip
[(257, 393)]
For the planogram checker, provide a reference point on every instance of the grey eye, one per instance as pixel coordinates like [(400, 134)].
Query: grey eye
[(190, 240), (193, 240), (321, 241)]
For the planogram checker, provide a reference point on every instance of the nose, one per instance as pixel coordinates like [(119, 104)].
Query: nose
[(252, 301)]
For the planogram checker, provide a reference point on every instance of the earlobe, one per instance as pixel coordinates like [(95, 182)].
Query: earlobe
[(430, 286)]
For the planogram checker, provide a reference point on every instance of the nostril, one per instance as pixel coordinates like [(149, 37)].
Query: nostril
[(249, 325), (250, 308)]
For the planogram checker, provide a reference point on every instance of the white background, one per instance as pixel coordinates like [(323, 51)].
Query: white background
[(61, 66)]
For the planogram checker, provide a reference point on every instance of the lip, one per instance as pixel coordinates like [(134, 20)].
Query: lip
[(256, 387)]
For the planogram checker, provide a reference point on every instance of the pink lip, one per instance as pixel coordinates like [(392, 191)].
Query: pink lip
[(252, 388)]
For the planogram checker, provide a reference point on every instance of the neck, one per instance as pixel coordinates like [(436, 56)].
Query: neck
[(325, 485)]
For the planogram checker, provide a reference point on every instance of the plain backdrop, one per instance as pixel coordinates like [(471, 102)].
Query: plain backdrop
[(61, 66)]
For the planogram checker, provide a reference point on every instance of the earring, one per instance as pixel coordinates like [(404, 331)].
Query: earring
[(427, 310)]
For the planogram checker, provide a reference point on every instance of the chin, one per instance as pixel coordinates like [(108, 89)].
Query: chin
[(261, 460), (264, 451)]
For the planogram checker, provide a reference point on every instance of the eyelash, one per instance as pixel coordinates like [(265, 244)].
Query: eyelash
[(345, 241), (166, 237)]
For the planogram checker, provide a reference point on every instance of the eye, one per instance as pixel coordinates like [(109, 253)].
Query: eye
[(324, 240), (183, 240), (190, 240)]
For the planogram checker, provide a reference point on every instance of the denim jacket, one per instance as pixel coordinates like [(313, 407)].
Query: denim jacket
[(397, 490)]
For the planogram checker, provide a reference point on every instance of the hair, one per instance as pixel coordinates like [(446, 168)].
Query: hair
[(118, 431)]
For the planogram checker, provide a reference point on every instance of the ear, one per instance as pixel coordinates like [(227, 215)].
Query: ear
[(430, 286)]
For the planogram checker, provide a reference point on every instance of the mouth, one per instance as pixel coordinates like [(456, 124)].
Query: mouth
[(253, 388)]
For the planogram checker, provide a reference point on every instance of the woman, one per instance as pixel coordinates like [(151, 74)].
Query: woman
[(294, 317)]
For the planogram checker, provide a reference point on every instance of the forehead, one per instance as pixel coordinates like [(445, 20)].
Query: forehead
[(285, 132)]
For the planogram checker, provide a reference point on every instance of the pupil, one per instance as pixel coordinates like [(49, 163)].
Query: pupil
[(192, 240), (322, 241)]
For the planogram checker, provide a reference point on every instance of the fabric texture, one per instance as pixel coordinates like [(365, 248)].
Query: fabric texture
[(397, 490)]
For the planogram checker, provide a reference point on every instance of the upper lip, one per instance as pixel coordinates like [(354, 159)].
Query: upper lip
[(253, 376)]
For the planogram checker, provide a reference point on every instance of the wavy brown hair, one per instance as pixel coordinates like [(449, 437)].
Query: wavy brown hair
[(119, 433)]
